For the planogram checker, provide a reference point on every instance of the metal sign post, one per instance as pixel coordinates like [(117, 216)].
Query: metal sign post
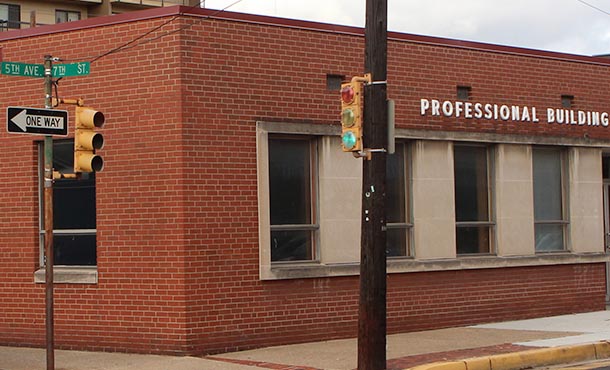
[(48, 217), (48, 122)]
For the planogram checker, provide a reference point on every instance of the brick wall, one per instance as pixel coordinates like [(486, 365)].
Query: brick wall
[(177, 200), (139, 302)]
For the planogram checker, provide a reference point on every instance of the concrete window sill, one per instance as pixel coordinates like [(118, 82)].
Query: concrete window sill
[(408, 265), (68, 275)]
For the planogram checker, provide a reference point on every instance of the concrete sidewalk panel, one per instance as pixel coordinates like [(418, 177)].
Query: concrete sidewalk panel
[(21, 358), (447, 365)]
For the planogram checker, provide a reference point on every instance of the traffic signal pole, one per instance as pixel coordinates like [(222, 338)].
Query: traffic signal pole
[(48, 218), (372, 312)]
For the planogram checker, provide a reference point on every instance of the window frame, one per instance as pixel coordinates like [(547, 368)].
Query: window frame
[(12, 24), (407, 223), (564, 222), (67, 13), (490, 223), (314, 226), (56, 232)]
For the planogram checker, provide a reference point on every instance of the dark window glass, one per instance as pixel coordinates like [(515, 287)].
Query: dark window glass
[(473, 224), (396, 242), (395, 186), (396, 203), (289, 182), (472, 239), (463, 92), (548, 199), (74, 220), (291, 245), (333, 82), (74, 250), (290, 199), (605, 168), (471, 202), (73, 199)]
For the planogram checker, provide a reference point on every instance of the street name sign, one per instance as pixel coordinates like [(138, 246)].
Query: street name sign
[(37, 70), (22, 69), (22, 120), (71, 69)]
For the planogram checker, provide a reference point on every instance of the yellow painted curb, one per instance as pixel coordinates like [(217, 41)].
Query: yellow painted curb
[(543, 357), (526, 359), (480, 363), (602, 350)]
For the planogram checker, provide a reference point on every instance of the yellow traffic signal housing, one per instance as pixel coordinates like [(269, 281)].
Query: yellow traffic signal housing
[(86, 140), (351, 116)]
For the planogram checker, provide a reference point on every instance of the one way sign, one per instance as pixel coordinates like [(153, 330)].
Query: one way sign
[(37, 121)]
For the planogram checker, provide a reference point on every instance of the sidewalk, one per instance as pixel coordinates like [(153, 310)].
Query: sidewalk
[(404, 350)]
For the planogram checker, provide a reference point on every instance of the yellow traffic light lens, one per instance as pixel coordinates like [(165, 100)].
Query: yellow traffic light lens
[(347, 94), (349, 140), (348, 118)]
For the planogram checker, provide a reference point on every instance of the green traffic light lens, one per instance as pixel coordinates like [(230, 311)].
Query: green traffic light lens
[(348, 118), (349, 140)]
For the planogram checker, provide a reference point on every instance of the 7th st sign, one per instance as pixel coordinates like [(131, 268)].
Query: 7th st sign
[(22, 120)]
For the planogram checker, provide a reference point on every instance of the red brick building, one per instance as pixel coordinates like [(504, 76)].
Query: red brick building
[(227, 216)]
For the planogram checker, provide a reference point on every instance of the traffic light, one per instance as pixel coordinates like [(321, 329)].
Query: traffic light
[(86, 140), (351, 115)]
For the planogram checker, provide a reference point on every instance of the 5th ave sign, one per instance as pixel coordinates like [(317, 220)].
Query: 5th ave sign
[(37, 70), (22, 120)]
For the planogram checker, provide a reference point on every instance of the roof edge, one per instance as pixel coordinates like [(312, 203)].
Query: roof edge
[(501, 49), (293, 23), (397, 36)]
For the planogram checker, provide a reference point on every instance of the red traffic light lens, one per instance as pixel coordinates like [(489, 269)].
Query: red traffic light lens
[(347, 94)]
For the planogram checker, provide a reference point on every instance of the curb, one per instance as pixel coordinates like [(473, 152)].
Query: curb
[(527, 359)]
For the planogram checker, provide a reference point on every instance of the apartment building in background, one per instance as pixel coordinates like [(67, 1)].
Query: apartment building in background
[(15, 14)]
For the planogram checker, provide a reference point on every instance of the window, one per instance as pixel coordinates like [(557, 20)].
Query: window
[(474, 226), (463, 92), (10, 16), (549, 199), (74, 219), (63, 16), (397, 203), (567, 101), (292, 198), (333, 82)]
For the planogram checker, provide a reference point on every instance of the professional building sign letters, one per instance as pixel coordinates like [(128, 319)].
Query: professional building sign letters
[(514, 113)]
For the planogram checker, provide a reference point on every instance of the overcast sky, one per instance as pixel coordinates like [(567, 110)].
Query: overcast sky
[(558, 25)]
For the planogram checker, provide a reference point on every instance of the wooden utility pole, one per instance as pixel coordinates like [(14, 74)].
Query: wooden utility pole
[(48, 218), (372, 315)]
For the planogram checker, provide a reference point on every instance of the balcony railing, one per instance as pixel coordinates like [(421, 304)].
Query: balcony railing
[(12, 25), (157, 2)]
